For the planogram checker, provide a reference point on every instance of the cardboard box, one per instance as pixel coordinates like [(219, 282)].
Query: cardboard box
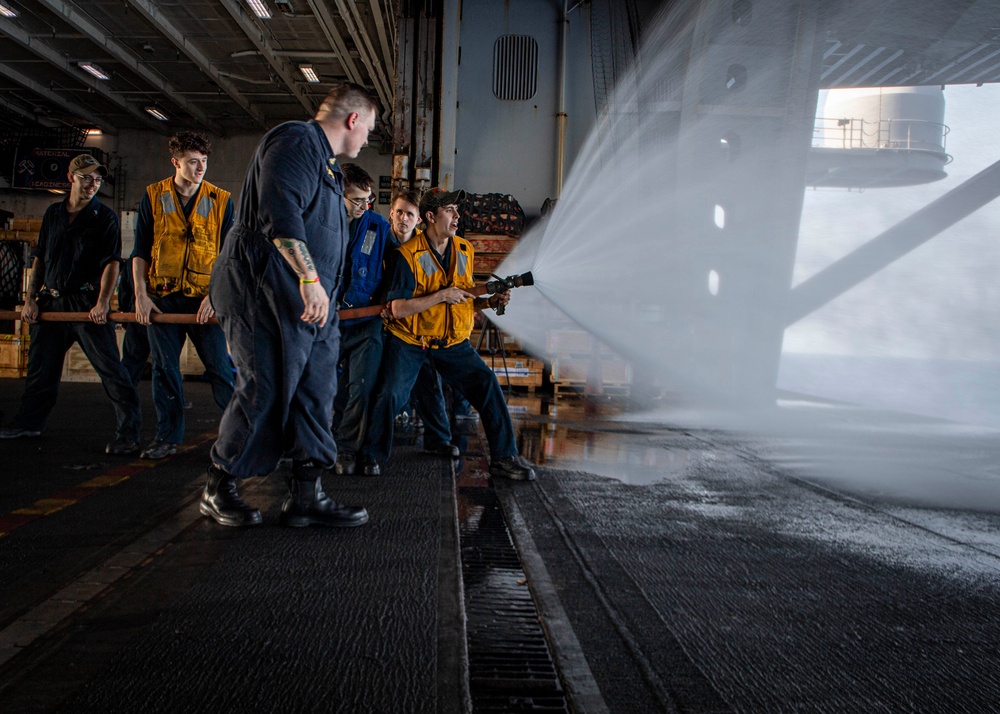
[(574, 342), (521, 371), (575, 370)]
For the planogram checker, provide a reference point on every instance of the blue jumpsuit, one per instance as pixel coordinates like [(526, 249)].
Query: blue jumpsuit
[(286, 368), (360, 338)]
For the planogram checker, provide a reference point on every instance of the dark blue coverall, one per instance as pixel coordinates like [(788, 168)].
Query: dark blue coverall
[(286, 368)]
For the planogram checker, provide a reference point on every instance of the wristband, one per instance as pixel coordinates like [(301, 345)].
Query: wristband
[(303, 281)]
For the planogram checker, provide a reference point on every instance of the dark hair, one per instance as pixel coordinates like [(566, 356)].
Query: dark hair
[(345, 98), (184, 141), (409, 196), (356, 177)]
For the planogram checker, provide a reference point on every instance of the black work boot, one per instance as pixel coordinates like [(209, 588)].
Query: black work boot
[(307, 505), (220, 500)]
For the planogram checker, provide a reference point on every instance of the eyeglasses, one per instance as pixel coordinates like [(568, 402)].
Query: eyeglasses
[(361, 202), (89, 178)]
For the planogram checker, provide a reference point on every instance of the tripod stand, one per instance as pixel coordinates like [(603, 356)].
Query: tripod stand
[(493, 338)]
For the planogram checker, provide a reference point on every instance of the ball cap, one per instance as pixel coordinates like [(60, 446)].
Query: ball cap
[(86, 164), (435, 198)]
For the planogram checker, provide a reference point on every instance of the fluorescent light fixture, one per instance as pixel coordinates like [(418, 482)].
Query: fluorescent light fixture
[(156, 113), (94, 132), (94, 70), (259, 9), (309, 73), (6, 11)]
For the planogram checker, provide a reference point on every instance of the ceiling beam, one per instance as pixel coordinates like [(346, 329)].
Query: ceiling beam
[(326, 23), (69, 13), (388, 57), (56, 59), (20, 111), (348, 13), (255, 35), (48, 94), (155, 17)]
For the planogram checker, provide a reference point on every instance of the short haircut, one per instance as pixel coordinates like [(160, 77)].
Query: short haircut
[(408, 196), (345, 98), (356, 177), (184, 141)]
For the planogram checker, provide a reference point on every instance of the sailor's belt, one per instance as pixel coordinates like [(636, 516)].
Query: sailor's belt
[(63, 293)]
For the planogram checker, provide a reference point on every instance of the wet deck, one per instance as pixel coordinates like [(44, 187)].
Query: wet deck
[(853, 565)]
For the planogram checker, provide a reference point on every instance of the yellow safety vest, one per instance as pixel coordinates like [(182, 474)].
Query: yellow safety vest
[(185, 249), (441, 325)]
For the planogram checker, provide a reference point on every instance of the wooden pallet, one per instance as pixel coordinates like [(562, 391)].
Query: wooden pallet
[(579, 389)]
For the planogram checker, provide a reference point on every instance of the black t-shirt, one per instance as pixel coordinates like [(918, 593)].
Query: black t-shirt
[(74, 255)]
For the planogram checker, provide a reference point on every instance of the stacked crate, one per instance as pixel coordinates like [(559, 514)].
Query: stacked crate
[(25, 229), (22, 233), (579, 359), (13, 355)]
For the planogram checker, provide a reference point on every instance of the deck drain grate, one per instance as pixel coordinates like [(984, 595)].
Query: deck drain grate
[(510, 665)]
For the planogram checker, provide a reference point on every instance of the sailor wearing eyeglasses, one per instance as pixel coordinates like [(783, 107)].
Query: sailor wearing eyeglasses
[(74, 268), (371, 239)]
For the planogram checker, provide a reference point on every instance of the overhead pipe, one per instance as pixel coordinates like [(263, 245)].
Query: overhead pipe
[(561, 117)]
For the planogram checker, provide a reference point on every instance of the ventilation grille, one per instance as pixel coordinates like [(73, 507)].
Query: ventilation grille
[(515, 67)]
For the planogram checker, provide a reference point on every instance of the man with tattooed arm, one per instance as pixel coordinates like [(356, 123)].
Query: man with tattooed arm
[(271, 288)]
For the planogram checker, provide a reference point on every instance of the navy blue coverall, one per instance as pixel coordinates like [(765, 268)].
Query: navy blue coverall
[(286, 368)]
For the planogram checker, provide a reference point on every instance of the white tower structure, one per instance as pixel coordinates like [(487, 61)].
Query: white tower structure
[(879, 137)]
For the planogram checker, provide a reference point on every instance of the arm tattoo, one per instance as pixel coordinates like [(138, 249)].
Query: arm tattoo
[(295, 252)]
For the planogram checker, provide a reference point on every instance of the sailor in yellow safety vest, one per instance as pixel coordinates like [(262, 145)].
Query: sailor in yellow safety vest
[(181, 225), (430, 317)]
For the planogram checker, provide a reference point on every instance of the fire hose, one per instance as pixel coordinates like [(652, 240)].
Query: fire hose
[(492, 287)]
